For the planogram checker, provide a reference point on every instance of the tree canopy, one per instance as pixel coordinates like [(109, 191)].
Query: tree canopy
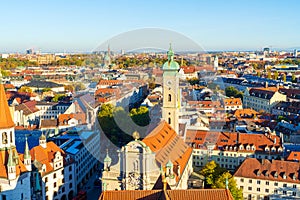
[(107, 115), (215, 177), (233, 92)]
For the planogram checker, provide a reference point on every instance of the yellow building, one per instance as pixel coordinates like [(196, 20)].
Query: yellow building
[(262, 98)]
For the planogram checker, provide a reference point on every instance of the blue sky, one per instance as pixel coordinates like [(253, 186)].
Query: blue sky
[(74, 25)]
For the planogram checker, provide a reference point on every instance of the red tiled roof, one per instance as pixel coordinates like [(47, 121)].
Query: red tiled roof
[(294, 156), (5, 116), (227, 140), (167, 145), (276, 170), (20, 167), (45, 155), (232, 102), (192, 194)]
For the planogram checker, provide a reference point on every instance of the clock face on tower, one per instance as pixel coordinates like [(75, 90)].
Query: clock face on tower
[(169, 82)]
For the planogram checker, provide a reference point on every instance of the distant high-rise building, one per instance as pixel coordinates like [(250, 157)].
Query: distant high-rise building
[(266, 51), (216, 63), (29, 51), (295, 52)]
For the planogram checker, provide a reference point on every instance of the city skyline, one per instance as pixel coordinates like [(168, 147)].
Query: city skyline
[(72, 26)]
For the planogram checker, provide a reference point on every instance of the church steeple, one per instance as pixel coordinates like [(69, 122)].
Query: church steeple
[(27, 156), (170, 53), (43, 141), (7, 133), (5, 116), (171, 91), (11, 166)]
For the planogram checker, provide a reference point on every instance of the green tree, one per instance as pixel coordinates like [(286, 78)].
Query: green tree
[(215, 177), (276, 75), (46, 89), (140, 116), (79, 86), (269, 74), (233, 92), (58, 97), (25, 89), (193, 81), (110, 128), (232, 186), (284, 77), (294, 78), (258, 73)]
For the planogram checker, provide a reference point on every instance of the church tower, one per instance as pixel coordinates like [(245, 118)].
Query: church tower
[(7, 131), (171, 92)]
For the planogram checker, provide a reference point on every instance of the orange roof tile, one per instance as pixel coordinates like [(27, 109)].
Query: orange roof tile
[(45, 156), (276, 170), (294, 156), (227, 140), (5, 116), (20, 167), (192, 194), (167, 145)]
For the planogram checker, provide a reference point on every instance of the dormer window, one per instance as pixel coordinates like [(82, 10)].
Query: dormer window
[(267, 148), (258, 173), (248, 148), (266, 173), (253, 148), (241, 147), (284, 176), (294, 177), (276, 175), (273, 149)]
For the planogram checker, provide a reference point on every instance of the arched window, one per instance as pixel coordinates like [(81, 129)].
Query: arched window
[(4, 138), (169, 120), (169, 97), (11, 137)]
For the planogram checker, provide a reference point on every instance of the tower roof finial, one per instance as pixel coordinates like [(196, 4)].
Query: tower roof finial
[(26, 151)]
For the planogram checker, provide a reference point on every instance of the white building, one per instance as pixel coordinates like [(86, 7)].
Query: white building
[(56, 169), (85, 151), (268, 179), (14, 167)]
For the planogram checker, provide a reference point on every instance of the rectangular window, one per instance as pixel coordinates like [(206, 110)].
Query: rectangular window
[(275, 184), (294, 193), (249, 188), (267, 190), (284, 192), (294, 186), (258, 182), (284, 185), (258, 189), (267, 182), (250, 181)]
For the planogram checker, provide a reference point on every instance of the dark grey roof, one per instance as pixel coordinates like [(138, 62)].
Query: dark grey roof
[(43, 84)]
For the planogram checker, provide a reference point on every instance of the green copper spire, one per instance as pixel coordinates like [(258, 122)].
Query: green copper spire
[(26, 151), (11, 162), (107, 159), (170, 53), (171, 65)]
